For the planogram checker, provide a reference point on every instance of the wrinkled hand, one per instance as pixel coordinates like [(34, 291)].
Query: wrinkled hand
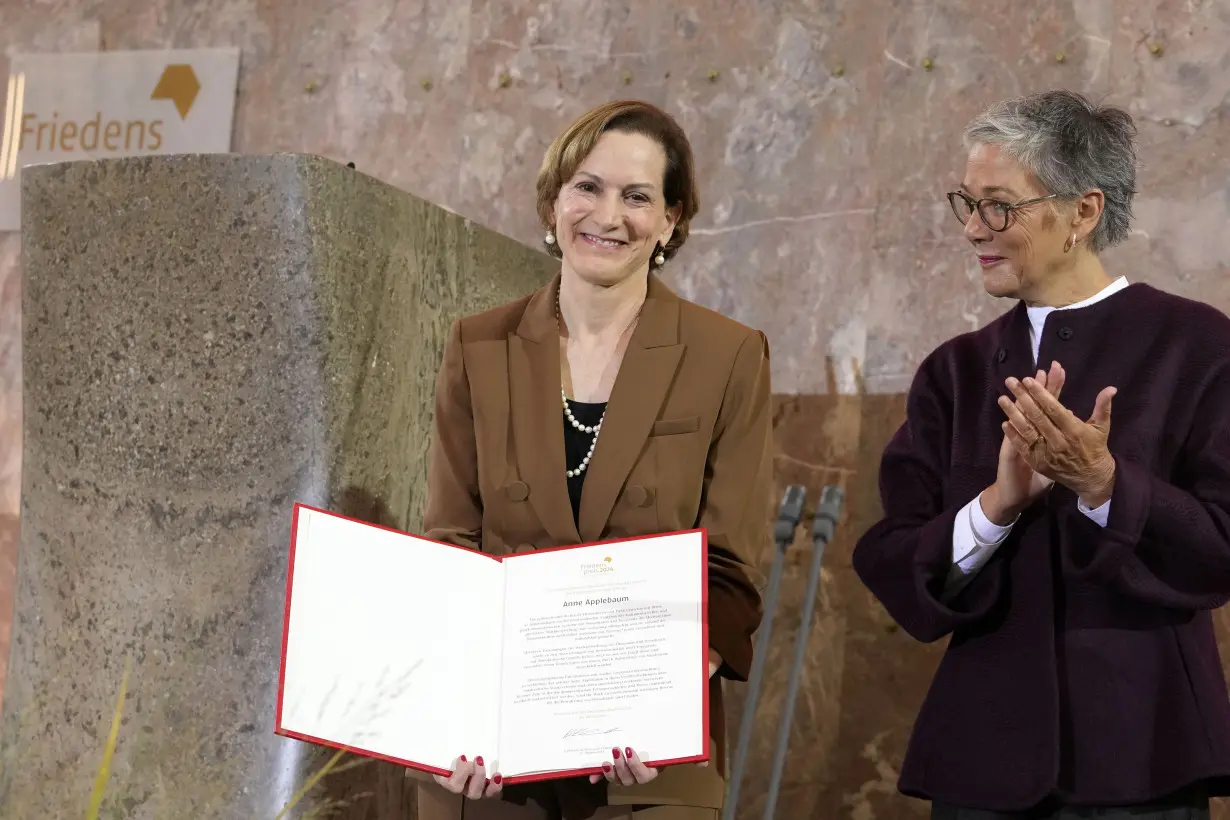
[(1058, 445), (470, 779), (1017, 484)]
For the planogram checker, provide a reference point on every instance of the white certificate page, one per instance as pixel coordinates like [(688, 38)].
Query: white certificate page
[(604, 648), (392, 643)]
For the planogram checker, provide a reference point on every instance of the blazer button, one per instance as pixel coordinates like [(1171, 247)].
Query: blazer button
[(638, 496), (1065, 333), (517, 491), (1000, 355)]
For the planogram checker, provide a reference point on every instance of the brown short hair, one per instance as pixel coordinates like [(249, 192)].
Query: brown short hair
[(571, 148)]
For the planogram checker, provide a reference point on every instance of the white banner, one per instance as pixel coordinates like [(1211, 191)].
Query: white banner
[(65, 107)]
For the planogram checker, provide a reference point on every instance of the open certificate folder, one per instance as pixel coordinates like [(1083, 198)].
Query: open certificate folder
[(416, 652)]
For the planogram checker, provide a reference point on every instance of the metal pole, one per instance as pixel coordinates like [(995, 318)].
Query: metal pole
[(788, 515), (825, 521)]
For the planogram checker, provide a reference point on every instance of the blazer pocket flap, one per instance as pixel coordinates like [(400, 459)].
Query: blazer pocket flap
[(673, 427)]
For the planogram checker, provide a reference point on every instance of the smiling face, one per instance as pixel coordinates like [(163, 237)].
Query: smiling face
[(1022, 260), (612, 214)]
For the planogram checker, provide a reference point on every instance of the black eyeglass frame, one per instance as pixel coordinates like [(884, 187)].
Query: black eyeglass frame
[(976, 205)]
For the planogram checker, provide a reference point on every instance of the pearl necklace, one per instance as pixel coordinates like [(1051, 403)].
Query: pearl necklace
[(584, 465), (595, 429)]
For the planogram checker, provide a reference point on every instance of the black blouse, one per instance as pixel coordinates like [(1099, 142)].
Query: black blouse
[(577, 444)]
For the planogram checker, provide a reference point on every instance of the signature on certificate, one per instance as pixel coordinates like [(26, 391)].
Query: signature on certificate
[(584, 732)]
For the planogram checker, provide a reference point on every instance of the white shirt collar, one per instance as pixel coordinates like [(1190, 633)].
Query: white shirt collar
[(1037, 315)]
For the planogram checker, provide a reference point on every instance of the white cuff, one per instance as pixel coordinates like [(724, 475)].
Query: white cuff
[(988, 533), (1098, 515), (975, 538)]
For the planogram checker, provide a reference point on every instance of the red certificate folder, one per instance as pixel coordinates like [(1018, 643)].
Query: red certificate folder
[(416, 652)]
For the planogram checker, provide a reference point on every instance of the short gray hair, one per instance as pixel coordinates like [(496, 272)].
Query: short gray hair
[(1071, 146)]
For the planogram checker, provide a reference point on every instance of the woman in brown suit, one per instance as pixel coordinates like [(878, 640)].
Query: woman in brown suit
[(604, 406)]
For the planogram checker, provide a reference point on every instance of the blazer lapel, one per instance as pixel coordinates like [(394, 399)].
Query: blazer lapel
[(537, 413), (645, 376)]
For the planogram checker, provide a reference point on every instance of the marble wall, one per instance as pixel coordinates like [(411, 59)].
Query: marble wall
[(826, 132)]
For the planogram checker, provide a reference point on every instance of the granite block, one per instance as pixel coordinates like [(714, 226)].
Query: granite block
[(209, 339), (9, 528)]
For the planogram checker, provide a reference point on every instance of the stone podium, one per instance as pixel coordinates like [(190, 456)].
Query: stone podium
[(207, 340)]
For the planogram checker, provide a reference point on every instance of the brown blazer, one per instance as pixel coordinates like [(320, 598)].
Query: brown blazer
[(686, 442)]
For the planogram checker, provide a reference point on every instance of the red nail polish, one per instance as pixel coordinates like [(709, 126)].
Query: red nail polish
[(479, 760), (463, 758), (497, 779), (615, 752), (606, 767), (628, 752)]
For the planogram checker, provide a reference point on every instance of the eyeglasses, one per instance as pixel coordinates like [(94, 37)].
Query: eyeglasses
[(993, 213)]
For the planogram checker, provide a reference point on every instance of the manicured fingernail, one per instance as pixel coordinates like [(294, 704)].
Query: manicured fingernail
[(479, 760), (498, 779), (615, 752), (463, 758), (628, 752)]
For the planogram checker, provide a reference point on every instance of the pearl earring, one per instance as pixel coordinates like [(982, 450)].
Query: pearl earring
[(659, 260), (549, 238)]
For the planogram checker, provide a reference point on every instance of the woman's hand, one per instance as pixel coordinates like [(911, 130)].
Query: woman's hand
[(625, 768), (1017, 484), (1060, 446), (470, 779)]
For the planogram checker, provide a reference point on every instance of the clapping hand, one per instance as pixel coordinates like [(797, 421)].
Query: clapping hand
[(470, 779), (1017, 484), (1057, 444)]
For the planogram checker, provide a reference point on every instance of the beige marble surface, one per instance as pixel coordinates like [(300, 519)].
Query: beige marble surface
[(824, 147)]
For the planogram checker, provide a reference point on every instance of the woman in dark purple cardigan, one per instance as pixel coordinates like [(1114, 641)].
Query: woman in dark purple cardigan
[(1072, 556)]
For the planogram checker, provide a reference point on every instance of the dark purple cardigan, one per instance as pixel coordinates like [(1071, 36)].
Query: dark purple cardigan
[(1082, 664)]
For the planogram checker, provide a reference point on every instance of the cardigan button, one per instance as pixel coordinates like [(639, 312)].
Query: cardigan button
[(638, 496), (1065, 333), (517, 491)]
